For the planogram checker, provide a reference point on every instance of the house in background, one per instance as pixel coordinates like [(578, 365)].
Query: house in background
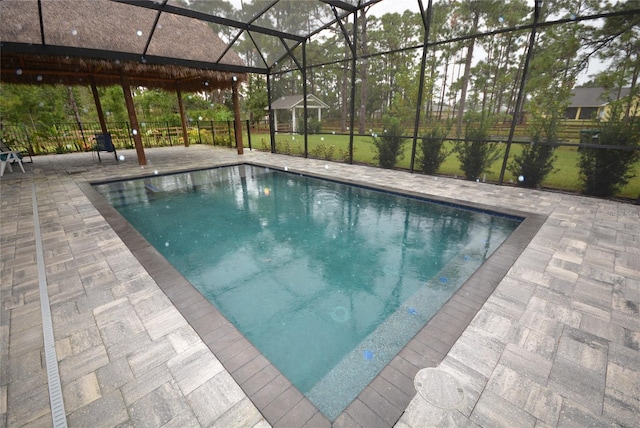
[(594, 103), (291, 104)]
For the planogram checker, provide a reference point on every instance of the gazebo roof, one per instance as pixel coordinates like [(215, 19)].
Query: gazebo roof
[(157, 43), (290, 101), (66, 41)]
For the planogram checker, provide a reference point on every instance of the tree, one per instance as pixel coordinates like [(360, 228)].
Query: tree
[(260, 49), (618, 42), (604, 171), (113, 105), (494, 75), (217, 8), (157, 105), (553, 72), (439, 57), (364, 72), (476, 153), (33, 104), (433, 153), (256, 98), (469, 13), (389, 144), (407, 73), (379, 83), (546, 110), (534, 163)]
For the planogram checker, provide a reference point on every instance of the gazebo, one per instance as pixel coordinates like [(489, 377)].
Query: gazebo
[(165, 44), (102, 42), (293, 103)]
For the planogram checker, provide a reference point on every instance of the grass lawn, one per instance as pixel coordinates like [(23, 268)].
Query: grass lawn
[(336, 147)]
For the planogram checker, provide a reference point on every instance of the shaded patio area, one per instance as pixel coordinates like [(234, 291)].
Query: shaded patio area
[(556, 344)]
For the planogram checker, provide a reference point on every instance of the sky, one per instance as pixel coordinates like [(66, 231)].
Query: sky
[(398, 6)]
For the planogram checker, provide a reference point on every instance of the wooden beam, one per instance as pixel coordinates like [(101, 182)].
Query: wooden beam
[(96, 99), (133, 118), (183, 118), (107, 55), (113, 75)]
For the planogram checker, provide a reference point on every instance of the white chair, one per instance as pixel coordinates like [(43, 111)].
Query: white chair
[(7, 157)]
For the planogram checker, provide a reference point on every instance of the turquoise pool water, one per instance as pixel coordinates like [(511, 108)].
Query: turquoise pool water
[(329, 281)]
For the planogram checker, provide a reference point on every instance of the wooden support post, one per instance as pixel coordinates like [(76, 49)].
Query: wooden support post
[(236, 115), (294, 125), (135, 128), (275, 119), (96, 99), (183, 117)]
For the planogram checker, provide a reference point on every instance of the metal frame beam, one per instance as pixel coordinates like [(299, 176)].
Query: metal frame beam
[(523, 81), (305, 109), (342, 5), (272, 125), (354, 61), (345, 33), (426, 21), (264, 60), (211, 18), (292, 56), (153, 29), (250, 22), (41, 22), (475, 35)]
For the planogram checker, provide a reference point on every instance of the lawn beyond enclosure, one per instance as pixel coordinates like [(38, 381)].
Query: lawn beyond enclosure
[(336, 147)]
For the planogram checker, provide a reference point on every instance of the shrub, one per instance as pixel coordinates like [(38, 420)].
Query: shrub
[(322, 151), (536, 160), (52, 134), (221, 140), (476, 153), (389, 144), (13, 143), (286, 147), (433, 153), (221, 113), (344, 155), (534, 163), (314, 126), (193, 136), (205, 136), (604, 171)]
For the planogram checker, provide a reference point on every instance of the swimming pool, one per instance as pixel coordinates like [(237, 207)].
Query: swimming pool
[(329, 281)]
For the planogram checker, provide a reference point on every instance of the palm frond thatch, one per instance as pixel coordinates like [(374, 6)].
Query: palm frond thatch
[(106, 40)]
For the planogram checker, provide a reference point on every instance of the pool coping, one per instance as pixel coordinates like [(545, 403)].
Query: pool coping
[(384, 400)]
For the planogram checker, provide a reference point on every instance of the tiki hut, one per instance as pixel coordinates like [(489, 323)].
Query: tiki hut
[(102, 42)]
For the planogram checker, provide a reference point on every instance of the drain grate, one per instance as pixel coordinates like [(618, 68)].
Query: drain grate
[(58, 414)]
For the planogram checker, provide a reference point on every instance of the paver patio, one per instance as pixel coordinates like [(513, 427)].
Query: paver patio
[(556, 344)]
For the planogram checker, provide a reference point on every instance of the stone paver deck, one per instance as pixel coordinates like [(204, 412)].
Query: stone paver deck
[(556, 343)]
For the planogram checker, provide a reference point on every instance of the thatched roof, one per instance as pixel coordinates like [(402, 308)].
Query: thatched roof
[(105, 39)]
